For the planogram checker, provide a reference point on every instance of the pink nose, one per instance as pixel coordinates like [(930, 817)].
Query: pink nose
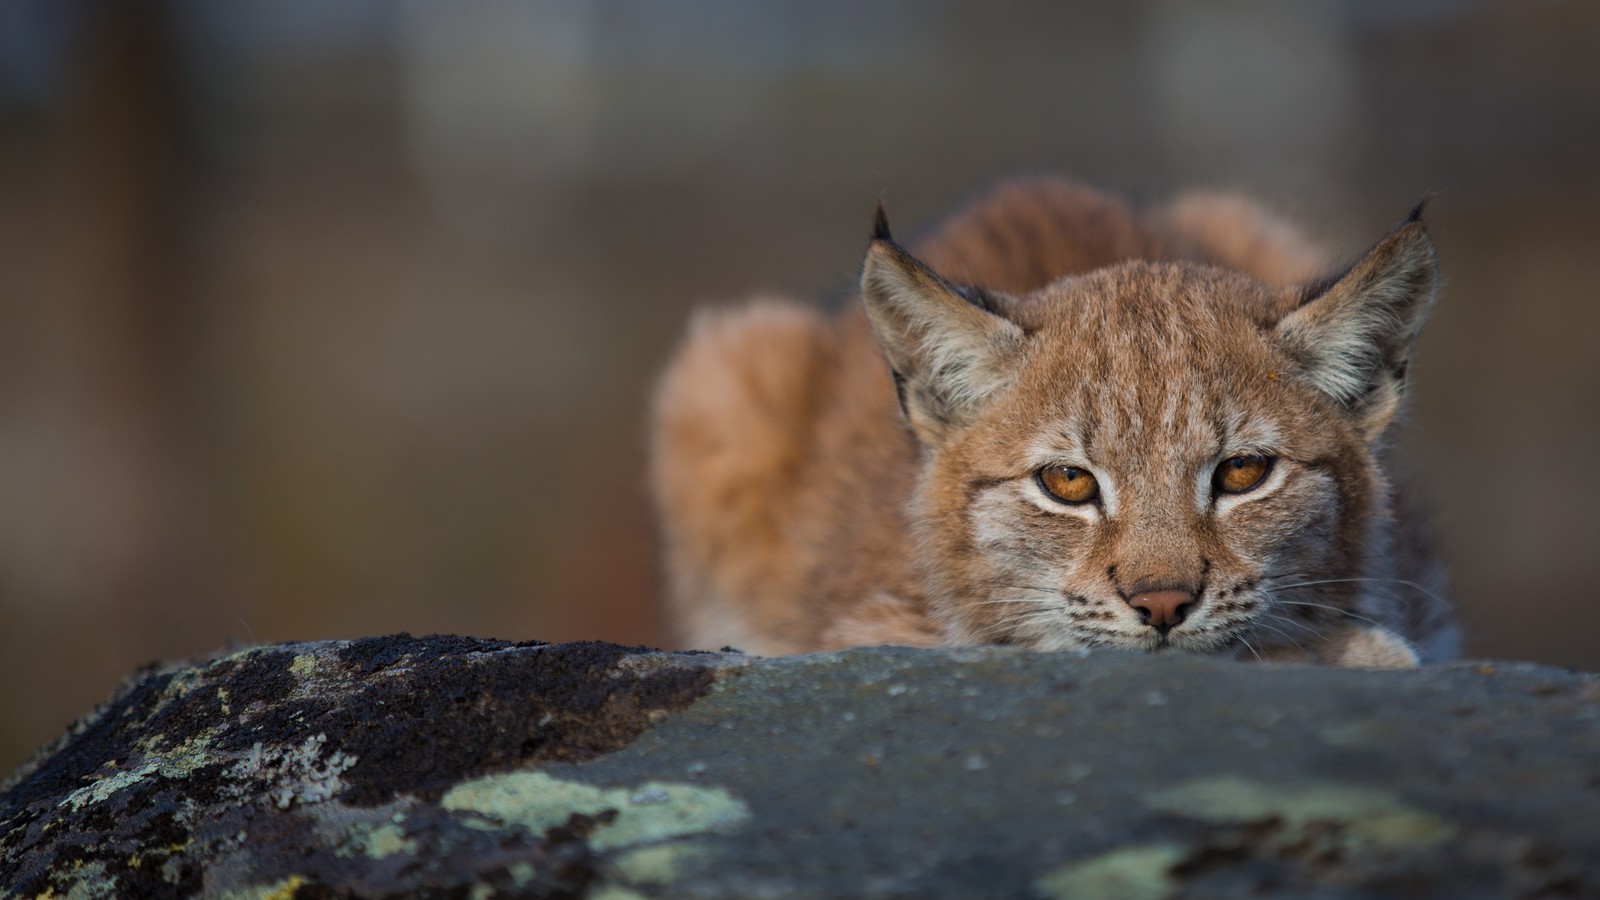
[(1162, 609)]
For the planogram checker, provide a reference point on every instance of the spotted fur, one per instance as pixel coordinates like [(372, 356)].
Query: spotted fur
[(871, 477)]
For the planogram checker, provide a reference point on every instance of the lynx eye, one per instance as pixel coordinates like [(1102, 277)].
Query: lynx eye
[(1068, 484), (1238, 474)]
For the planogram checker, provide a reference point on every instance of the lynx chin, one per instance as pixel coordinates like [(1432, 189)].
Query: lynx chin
[(1059, 422)]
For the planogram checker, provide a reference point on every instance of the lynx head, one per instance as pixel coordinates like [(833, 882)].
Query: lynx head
[(1149, 455)]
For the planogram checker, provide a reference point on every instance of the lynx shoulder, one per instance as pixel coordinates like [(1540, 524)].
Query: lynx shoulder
[(1058, 422)]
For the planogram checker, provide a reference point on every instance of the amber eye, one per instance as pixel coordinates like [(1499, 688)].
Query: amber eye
[(1241, 473), (1068, 484)]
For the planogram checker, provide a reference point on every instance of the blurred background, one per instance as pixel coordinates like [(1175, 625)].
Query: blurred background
[(324, 319)]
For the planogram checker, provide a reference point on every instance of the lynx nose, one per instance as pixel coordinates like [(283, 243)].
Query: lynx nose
[(1162, 609)]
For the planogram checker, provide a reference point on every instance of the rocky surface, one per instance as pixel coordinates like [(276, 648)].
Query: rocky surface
[(466, 767)]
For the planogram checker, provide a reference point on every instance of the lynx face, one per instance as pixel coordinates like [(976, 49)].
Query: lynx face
[(1153, 455)]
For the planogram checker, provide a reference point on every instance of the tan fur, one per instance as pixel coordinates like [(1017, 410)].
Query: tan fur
[(1048, 323)]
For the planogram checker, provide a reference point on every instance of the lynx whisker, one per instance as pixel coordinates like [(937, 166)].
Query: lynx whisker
[(1422, 589), (1285, 620), (1263, 623), (999, 600), (1241, 639), (1031, 619), (1018, 586), (1342, 612)]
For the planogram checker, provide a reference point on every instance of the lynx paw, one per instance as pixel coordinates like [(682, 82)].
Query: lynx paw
[(1372, 648)]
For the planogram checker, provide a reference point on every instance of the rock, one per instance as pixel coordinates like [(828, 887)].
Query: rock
[(407, 765)]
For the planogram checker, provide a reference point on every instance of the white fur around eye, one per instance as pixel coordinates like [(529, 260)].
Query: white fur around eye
[(1088, 511), (1269, 486)]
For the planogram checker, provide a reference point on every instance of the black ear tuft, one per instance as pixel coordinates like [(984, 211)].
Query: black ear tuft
[(1315, 288), (949, 348), (880, 223), (1416, 211)]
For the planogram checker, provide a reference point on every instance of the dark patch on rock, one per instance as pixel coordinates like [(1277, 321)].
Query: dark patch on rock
[(190, 762), (145, 851), (567, 702), (368, 655), (13, 828), (259, 679), (164, 866), (93, 742), (564, 702)]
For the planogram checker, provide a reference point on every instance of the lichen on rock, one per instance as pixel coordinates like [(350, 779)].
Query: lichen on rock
[(449, 765), (1127, 873), (213, 777), (622, 817), (1360, 818), (286, 776)]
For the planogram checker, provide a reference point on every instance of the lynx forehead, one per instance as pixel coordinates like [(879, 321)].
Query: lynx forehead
[(1061, 424)]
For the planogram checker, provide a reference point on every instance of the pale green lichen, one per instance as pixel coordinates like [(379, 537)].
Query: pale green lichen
[(656, 864), (180, 684), (292, 775), (1128, 873), (90, 882), (651, 812), (1370, 818), (195, 751), (101, 790), (93, 884), (377, 841), (304, 664)]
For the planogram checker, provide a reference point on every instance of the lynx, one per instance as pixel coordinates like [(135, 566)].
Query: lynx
[(1061, 423)]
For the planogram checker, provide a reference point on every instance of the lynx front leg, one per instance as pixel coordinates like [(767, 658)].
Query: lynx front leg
[(1356, 648), (1370, 648)]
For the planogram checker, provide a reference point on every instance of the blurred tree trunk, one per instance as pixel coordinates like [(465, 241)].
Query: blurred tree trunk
[(114, 230), (102, 563)]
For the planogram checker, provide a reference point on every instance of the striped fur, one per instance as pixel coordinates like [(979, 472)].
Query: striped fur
[(870, 478)]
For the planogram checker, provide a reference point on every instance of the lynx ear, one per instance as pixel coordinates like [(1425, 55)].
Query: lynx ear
[(1353, 334), (947, 349)]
